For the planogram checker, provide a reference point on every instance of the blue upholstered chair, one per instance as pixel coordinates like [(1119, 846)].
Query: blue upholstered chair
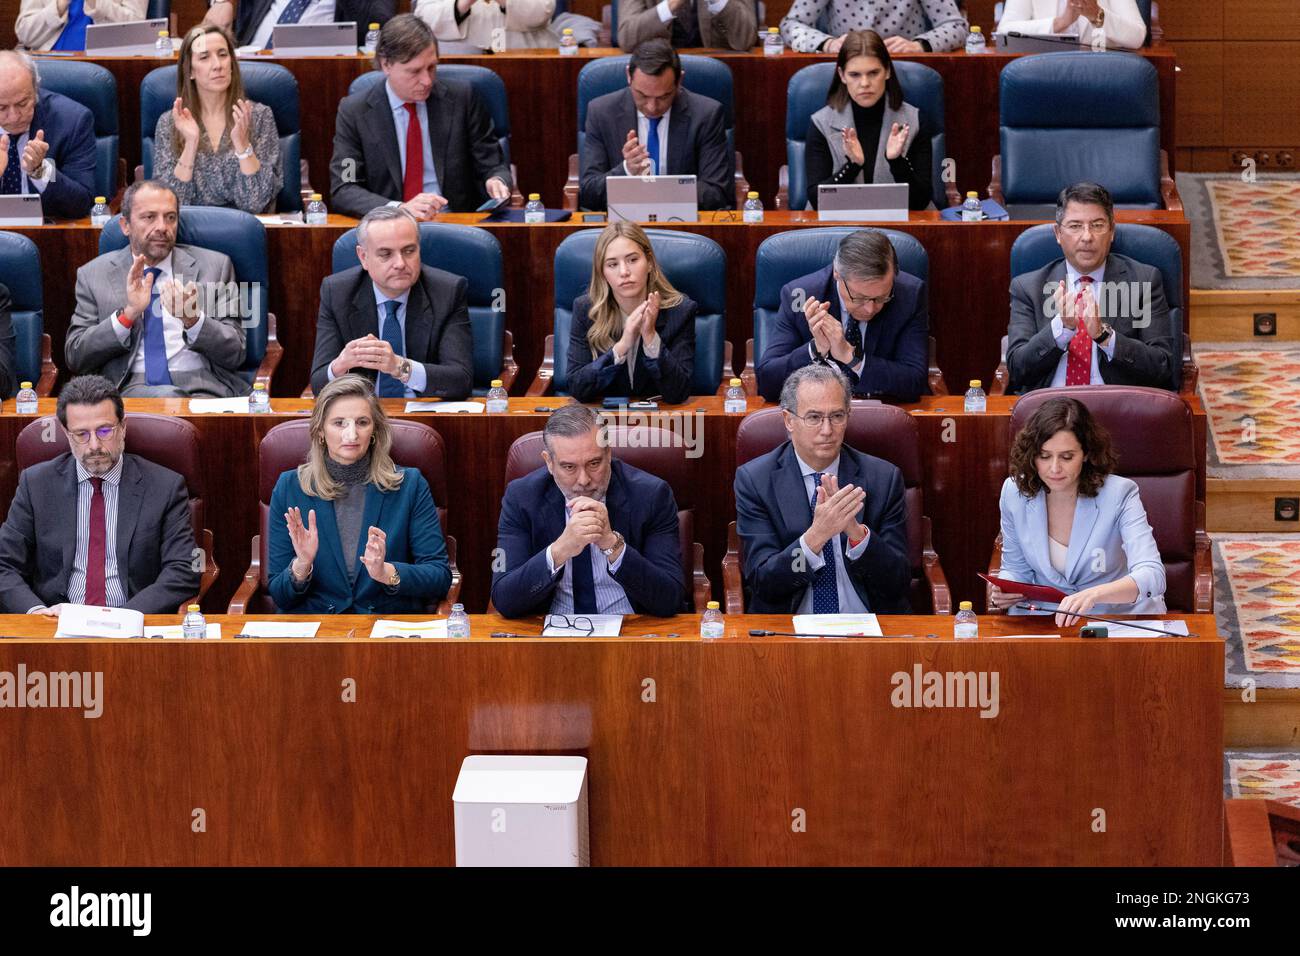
[(475, 254), (694, 264), (806, 94), (93, 87), (20, 271), (240, 236), (786, 256), (158, 9), (267, 83), (700, 74), (1037, 246), (1070, 117)]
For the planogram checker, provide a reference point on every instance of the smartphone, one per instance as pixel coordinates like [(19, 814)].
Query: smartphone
[(490, 205), (593, 217)]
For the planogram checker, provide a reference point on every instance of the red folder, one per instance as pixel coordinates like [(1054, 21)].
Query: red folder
[(1035, 592)]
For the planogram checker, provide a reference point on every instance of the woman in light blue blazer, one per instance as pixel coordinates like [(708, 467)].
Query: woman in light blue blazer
[(350, 531), (1069, 523)]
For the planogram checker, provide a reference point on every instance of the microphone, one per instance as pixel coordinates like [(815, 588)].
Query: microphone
[(1104, 620)]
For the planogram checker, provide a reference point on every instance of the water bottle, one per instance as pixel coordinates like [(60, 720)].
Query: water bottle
[(975, 41), (458, 622), (316, 211), (497, 399), (735, 403), (568, 42), (753, 208), (971, 210), (163, 45), (259, 403), (193, 627), (372, 39), (99, 214), (975, 400), (966, 625), (712, 625), (534, 211), (772, 45), (27, 399)]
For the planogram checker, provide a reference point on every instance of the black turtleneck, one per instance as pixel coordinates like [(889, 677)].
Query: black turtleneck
[(913, 167)]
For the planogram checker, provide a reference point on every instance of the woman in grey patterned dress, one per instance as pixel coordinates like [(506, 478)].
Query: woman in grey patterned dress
[(214, 147)]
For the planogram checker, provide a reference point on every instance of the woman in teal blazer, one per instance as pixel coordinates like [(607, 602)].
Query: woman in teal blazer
[(350, 532)]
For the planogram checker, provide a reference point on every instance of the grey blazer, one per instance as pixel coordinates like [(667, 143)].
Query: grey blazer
[(734, 28), (93, 347), (155, 540)]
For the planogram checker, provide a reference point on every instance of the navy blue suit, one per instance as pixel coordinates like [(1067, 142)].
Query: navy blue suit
[(894, 342), (773, 509), (641, 508), (70, 130), (670, 375), (415, 547)]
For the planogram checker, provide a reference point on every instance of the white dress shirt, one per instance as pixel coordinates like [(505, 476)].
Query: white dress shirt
[(1064, 335), (180, 357), (666, 12), (610, 596), (850, 603), (318, 11)]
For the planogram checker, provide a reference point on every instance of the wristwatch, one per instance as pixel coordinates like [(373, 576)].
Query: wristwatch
[(404, 370), (618, 543), (246, 153), (1106, 330), (1101, 18), (395, 580)]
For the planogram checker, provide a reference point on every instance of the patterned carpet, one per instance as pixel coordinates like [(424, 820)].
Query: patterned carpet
[(1257, 608), (1262, 775), (1252, 398), (1255, 227)]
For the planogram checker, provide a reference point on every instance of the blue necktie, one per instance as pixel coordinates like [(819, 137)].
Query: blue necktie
[(653, 146), (826, 595), (584, 583), (73, 37), (294, 11), (391, 332), (155, 343), (11, 183)]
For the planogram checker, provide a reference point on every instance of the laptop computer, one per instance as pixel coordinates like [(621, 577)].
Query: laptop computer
[(869, 202), (652, 198), (314, 39), (22, 210), (133, 38)]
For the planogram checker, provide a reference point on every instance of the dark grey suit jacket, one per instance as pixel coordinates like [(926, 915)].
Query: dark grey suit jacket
[(8, 354), (366, 169), (697, 144), (437, 328), (155, 540), (1144, 350)]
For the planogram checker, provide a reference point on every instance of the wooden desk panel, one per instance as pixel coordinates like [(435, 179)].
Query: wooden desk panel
[(741, 734)]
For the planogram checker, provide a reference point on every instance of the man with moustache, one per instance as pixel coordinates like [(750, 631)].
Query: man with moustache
[(95, 525)]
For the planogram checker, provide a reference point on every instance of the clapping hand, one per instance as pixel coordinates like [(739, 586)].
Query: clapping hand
[(185, 122), (636, 156), (304, 539), (375, 556), (33, 153), (139, 289), (239, 129), (897, 140), (852, 147), (836, 512)]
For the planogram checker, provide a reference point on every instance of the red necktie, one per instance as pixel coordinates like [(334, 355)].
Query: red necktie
[(1078, 365), (95, 552), (413, 180)]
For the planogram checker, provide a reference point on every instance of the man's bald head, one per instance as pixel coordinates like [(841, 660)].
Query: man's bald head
[(18, 86)]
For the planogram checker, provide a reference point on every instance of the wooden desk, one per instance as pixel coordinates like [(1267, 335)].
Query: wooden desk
[(964, 459), (970, 278), (742, 751)]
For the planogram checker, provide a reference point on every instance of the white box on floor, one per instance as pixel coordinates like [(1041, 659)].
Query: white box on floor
[(516, 810)]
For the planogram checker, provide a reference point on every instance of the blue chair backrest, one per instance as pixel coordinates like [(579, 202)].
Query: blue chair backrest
[(486, 83), (806, 94), (240, 236), (695, 265), (94, 88), (464, 251), (1068, 117), (158, 9), (1037, 246), (267, 83), (700, 74), (786, 256), (20, 271)]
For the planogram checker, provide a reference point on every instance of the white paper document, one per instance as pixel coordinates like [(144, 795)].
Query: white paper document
[(1171, 628), (1023, 636), (840, 625), (410, 628), (445, 408), (84, 620), (172, 632), (602, 625), (281, 219), (201, 406), (280, 628)]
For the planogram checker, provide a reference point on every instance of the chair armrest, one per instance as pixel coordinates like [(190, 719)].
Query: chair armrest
[(274, 352), (304, 179), (732, 585), (701, 586), (940, 594), (516, 197), (453, 593), (542, 381), (749, 377), (995, 183), (308, 392), (49, 371), (937, 385), (1168, 188), (252, 581), (1191, 372), (210, 567), (1002, 374), (572, 185), (742, 184), (995, 570), (509, 367), (782, 188), (1203, 565)]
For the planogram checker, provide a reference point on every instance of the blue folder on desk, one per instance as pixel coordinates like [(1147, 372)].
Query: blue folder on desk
[(502, 214), (992, 211)]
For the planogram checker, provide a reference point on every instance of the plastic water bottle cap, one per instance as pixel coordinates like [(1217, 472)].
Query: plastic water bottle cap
[(568, 31), (534, 197), (374, 26), (26, 384), (261, 385), (964, 606), (100, 199), (315, 197), (735, 383), (163, 33), (773, 30), (753, 195), (976, 29), (975, 383), (972, 195), (713, 605), (193, 607), (496, 383)]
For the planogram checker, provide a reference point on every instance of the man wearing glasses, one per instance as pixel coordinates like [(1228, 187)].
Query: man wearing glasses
[(822, 527), (859, 314), (97, 526), (1091, 317)]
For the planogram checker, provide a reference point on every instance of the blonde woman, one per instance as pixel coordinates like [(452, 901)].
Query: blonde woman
[(633, 334), (214, 147), (350, 531)]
